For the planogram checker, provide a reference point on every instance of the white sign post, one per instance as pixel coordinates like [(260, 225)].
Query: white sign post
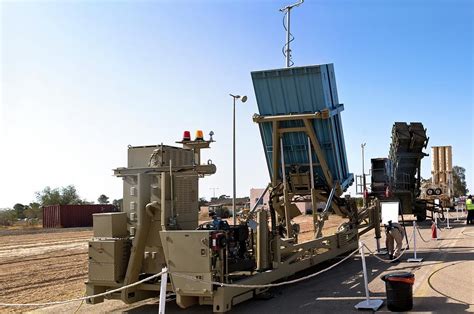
[(447, 219), (414, 259), (390, 211), (457, 212), (367, 304), (164, 282)]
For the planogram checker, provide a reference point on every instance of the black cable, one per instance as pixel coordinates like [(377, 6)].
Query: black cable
[(283, 50), (443, 294)]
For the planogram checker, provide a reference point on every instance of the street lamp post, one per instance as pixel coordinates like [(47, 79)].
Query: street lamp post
[(214, 191), (242, 99), (362, 146)]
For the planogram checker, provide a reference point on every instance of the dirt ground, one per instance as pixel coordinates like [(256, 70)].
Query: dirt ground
[(43, 265)]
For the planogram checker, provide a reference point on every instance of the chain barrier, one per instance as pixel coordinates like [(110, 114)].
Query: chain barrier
[(278, 284), (374, 254), (221, 284), (419, 233)]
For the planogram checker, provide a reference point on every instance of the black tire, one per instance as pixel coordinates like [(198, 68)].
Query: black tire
[(421, 217), (438, 191), (429, 192)]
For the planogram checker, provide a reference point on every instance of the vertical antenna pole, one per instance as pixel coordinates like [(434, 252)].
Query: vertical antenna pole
[(172, 189), (288, 50), (234, 210), (287, 11)]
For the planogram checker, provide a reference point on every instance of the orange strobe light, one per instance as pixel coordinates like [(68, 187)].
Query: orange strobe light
[(199, 135)]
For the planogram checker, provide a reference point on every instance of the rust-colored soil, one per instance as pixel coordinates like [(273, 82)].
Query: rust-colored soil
[(42, 266)]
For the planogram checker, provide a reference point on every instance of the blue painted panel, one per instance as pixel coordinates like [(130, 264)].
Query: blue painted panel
[(296, 90)]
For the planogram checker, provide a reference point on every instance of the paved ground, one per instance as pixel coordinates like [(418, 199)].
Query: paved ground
[(443, 283)]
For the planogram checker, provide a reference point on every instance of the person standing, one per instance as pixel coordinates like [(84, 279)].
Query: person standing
[(394, 234), (470, 210)]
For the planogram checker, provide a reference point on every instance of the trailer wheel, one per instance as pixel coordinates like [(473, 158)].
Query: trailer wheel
[(430, 192), (438, 191)]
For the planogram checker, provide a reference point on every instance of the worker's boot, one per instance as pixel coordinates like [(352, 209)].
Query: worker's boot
[(390, 256)]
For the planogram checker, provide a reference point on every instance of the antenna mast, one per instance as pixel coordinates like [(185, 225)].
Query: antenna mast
[(286, 48)]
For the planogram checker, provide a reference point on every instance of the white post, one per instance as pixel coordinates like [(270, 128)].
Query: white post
[(164, 281), (368, 303), (364, 269), (447, 218), (457, 212), (234, 216), (363, 179), (414, 259), (436, 226), (377, 244)]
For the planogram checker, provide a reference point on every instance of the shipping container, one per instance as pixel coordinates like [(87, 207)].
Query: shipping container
[(69, 216), (301, 90)]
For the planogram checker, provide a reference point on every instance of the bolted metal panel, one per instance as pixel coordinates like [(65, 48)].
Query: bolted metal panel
[(302, 90), (441, 165), (434, 165), (139, 156), (108, 259), (110, 225), (449, 161)]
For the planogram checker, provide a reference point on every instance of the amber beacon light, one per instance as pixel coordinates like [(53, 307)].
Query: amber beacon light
[(199, 135)]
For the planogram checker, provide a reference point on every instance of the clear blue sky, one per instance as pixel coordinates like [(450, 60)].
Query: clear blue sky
[(80, 80)]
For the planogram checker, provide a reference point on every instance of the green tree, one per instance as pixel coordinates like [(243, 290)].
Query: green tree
[(103, 199), (59, 196), (69, 196), (19, 210), (118, 203), (34, 211), (203, 201), (459, 181), (7, 217)]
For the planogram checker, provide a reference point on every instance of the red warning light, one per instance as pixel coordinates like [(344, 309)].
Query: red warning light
[(186, 136)]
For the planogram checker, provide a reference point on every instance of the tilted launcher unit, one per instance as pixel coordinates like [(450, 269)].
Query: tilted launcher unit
[(301, 129)]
